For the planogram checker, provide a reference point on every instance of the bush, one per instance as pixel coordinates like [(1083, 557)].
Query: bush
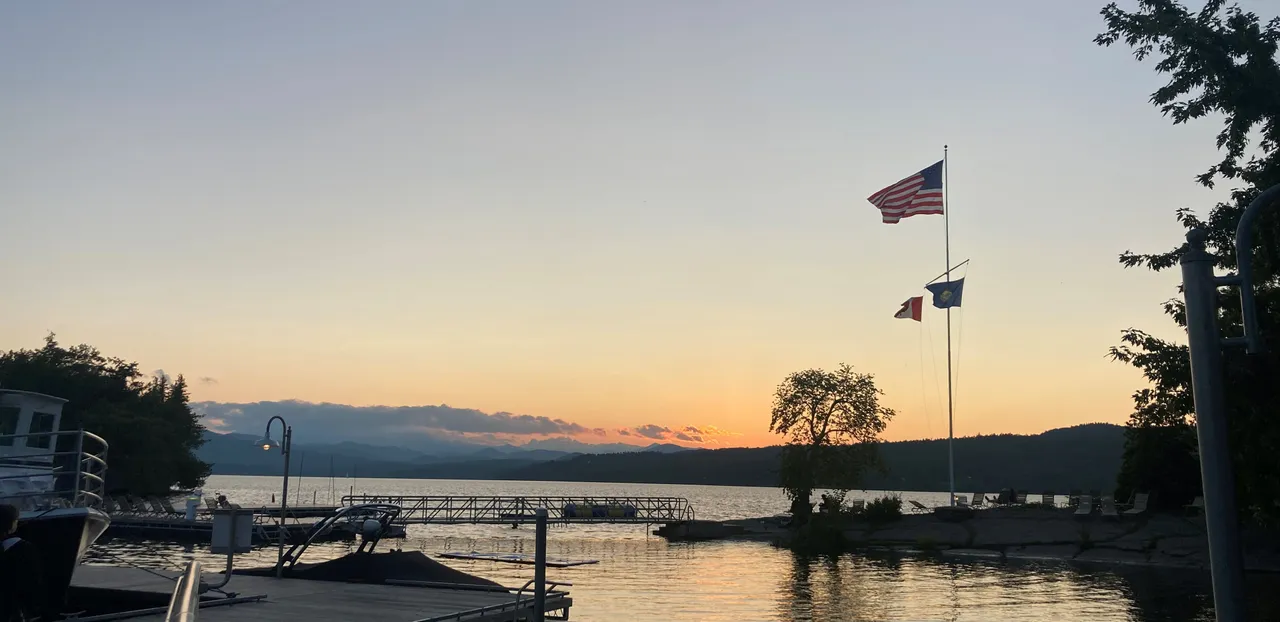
[(884, 510)]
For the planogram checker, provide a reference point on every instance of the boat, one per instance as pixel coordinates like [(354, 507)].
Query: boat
[(56, 480)]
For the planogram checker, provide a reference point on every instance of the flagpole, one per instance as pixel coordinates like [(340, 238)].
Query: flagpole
[(951, 429)]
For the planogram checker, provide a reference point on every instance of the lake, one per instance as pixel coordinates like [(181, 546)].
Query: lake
[(643, 577)]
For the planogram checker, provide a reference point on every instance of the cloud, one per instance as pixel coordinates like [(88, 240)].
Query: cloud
[(689, 433), (656, 432), (326, 422)]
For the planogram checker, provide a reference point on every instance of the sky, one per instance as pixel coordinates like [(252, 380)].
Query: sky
[(614, 215)]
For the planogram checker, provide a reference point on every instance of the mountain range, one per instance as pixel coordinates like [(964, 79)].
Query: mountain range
[(1080, 457)]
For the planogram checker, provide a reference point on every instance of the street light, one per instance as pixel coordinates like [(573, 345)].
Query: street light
[(267, 445)]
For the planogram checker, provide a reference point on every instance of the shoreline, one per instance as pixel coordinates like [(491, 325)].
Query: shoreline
[(1020, 533)]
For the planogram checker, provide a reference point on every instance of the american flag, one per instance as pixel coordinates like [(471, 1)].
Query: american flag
[(918, 194)]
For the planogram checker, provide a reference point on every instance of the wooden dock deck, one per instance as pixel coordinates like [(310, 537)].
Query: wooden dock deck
[(322, 601)]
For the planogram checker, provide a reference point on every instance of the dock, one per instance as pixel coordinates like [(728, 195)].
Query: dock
[(266, 527), (519, 510), (323, 601)]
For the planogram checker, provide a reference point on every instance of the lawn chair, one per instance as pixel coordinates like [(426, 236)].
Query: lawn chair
[(1196, 505), (978, 500), (1021, 498), (163, 506), (1073, 498), (857, 505), (918, 507), (1049, 499), (1109, 507), (962, 501), (1085, 506), (1139, 504), (126, 505), (138, 504)]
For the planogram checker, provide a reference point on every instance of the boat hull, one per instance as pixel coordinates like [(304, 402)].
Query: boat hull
[(61, 536)]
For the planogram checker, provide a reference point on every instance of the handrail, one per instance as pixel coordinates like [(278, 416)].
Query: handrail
[(47, 467), (386, 515), (184, 604)]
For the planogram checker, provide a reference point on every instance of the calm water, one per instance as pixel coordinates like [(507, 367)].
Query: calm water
[(643, 577)]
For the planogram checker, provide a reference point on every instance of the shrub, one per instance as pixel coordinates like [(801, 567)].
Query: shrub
[(884, 510)]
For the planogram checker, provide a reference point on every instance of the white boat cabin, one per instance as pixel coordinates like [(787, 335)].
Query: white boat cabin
[(28, 444)]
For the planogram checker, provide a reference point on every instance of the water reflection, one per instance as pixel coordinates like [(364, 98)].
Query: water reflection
[(885, 587)]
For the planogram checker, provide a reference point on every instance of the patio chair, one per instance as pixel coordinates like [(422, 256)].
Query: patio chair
[(918, 507), (962, 501), (1085, 506), (1109, 507), (1073, 498), (1021, 498), (1140, 501), (857, 505), (978, 500), (1049, 499)]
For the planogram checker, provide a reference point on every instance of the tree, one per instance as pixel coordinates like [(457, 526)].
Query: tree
[(147, 422), (831, 421), (1222, 63)]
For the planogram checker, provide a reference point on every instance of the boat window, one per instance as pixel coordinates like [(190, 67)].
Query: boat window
[(40, 424), (8, 424)]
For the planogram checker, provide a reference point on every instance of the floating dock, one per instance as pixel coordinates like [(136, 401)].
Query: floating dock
[(266, 599)]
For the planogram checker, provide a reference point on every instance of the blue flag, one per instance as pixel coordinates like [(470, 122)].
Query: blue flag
[(946, 294)]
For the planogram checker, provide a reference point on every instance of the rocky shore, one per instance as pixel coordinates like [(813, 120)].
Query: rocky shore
[(1016, 533)]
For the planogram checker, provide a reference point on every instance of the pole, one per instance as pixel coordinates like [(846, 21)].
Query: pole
[(302, 461), (1200, 291), (951, 427), (540, 567), (284, 501)]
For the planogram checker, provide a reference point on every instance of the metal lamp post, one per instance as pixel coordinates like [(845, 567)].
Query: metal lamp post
[(1204, 344), (284, 445)]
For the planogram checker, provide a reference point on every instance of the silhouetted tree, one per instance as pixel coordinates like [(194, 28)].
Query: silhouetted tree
[(151, 430), (832, 421), (1221, 63)]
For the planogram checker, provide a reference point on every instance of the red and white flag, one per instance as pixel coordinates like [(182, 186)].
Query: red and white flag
[(918, 194), (911, 309)]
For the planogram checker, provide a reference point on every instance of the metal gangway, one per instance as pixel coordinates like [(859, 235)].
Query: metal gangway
[(451, 510)]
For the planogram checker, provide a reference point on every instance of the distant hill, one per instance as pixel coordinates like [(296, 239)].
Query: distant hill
[(1085, 456), (240, 454)]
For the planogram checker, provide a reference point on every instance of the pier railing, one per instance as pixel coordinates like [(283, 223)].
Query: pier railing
[(46, 470), (450, 510)]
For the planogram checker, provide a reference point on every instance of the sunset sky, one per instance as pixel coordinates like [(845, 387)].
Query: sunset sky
[(615, 215)]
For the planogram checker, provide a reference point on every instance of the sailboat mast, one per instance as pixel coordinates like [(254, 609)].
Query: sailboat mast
[(951, 428)]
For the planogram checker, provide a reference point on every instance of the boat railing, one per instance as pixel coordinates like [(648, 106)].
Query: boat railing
[(53, 469)]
